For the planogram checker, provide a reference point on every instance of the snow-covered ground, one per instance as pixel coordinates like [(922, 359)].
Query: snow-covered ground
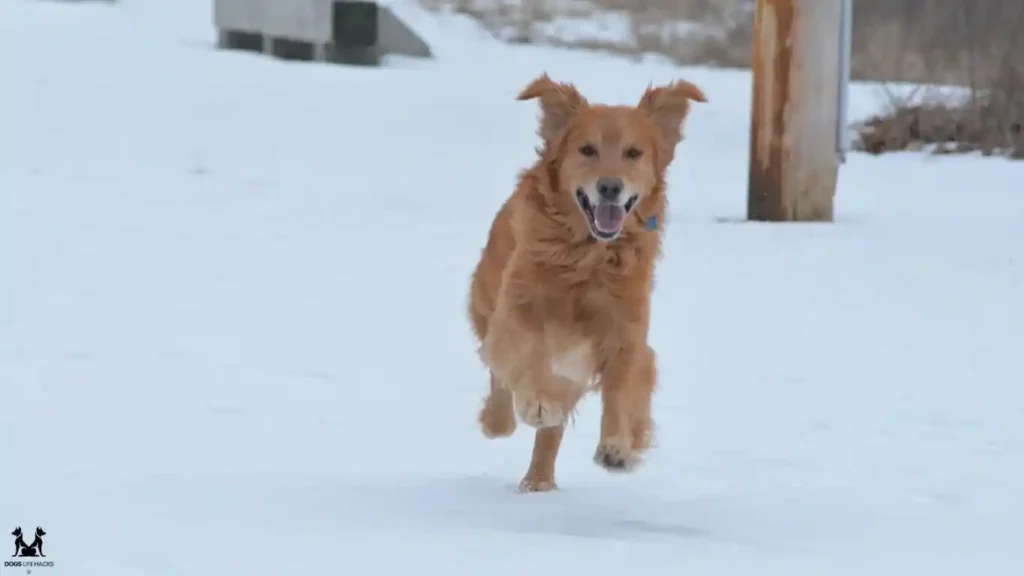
[(233, 338)]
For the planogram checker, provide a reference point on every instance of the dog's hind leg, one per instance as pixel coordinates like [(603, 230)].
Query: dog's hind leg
[(497, 417)]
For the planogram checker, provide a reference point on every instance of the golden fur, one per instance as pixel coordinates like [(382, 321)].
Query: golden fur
[(559, 311)]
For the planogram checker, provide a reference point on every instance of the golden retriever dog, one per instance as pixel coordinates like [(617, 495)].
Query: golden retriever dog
[(561, 298)]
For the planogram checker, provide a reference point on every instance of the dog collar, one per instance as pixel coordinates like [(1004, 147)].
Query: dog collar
[(652, 223)]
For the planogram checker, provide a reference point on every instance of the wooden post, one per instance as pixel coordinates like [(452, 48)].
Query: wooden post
[(797, 71)]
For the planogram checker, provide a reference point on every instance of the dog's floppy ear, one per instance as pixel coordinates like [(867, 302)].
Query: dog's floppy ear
[(559, 103), (668, 106)]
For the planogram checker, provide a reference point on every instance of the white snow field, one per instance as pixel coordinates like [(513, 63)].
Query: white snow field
[(233, 337)]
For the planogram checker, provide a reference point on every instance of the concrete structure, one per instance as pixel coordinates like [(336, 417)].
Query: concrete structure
[(339, 31), (798, 119)]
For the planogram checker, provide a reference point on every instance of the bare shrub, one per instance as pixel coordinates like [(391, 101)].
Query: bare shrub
[(971, 43)]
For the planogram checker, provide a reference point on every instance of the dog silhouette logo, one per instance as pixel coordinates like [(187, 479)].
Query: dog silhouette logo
[(33, 550)]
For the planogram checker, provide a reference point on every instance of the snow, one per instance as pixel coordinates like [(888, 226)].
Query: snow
[(233, 335)]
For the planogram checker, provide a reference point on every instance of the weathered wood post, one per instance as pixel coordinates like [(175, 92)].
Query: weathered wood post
[(796, 142)]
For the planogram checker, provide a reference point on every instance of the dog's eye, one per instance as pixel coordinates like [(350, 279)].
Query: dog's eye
[(588, 150), (633, 153)]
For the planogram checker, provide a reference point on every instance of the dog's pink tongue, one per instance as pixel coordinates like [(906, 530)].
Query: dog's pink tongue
[(608, 217)]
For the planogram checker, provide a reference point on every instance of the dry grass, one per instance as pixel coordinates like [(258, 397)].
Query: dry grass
[(720, 35), (971, 43), (685, 31)]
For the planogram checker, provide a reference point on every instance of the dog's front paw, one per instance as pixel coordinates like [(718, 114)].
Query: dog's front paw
[(539, 412), (497, 418), (616, 456)]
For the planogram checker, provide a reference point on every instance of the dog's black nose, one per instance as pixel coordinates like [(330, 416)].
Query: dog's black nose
[(609, 188)]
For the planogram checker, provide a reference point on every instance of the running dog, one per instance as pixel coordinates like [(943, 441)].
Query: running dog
[(560, 299)]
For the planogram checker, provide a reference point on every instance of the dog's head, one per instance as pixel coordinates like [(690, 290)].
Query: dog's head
[(40, 531), (608, 160), (17, 531)]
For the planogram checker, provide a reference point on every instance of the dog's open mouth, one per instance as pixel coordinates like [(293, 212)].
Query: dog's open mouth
[(606, 218)]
